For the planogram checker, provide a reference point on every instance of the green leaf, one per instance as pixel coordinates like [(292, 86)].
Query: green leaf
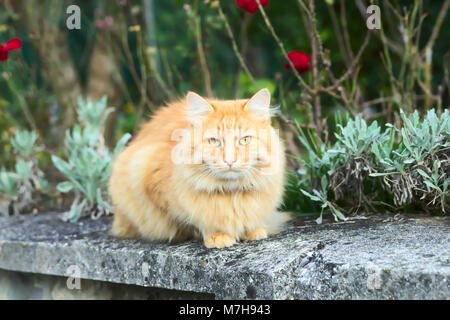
[(44, 186), (65, 187), (431, 185), (121, 144), (101, 202), (423, 174), (338, 214), (76, 209), (314, 198), (22, 170), (62, 166), (23, 143), (9, 183), (324, 183), (319, 219)]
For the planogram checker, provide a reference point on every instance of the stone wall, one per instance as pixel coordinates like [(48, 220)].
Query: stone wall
[(378, 257), (32, 286)]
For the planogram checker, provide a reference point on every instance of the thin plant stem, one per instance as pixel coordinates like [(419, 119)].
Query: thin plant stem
[(345, 31), (315, 44), (167, 67), (437, 26), (23, 106), (339, 39), (302, 82), (353, 65), (392, 45), (28, 116), (234, 44), (202, 55)]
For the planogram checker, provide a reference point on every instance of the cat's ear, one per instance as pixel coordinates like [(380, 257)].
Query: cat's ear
[(259, 104), (197, 106)]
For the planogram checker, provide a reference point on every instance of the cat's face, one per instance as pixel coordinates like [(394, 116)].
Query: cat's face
[(233, 138)]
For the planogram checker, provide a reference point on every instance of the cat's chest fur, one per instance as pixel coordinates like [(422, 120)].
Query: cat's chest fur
[(225, 206)]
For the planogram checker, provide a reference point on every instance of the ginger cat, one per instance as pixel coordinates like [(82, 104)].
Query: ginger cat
[(202, 168)]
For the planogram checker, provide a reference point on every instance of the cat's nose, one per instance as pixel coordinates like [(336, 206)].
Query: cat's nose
[(230, 163)]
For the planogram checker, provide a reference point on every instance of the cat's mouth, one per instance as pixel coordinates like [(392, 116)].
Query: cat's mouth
[(229, 173)]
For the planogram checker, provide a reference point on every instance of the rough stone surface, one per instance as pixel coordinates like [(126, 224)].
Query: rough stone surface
[(403, 258)]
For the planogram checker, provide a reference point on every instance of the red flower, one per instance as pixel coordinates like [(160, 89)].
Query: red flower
[(300, 60), (250, 5), (12, 44)]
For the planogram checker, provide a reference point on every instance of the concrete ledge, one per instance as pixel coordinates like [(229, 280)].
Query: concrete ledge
[(406, 258), (34, 286)]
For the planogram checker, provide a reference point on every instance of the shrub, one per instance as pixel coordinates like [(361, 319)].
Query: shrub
[(89, 161), (398, 168), (21, 189)]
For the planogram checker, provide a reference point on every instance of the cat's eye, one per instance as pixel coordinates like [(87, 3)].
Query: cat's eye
[(214, 142), (245, 140)]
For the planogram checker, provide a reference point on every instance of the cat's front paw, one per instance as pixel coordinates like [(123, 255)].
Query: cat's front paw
[(256, 234), (219, 240)]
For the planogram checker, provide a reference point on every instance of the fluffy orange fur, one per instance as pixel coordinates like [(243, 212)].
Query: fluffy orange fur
[(201, 168)]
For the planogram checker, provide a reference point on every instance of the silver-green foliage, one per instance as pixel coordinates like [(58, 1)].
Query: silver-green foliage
[(20, 188), (412, 163), (424, 137), (357, 137), (88, 165)]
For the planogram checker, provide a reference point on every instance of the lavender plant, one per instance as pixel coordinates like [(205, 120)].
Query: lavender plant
[(366, 167), (21, 188), (424, 155), (88, 164)]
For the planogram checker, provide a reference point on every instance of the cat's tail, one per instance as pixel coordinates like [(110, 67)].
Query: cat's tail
[(275, 222)]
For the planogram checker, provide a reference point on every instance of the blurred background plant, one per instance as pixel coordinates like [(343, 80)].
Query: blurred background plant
[(323, 66), (22, 188), (89, 162)]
